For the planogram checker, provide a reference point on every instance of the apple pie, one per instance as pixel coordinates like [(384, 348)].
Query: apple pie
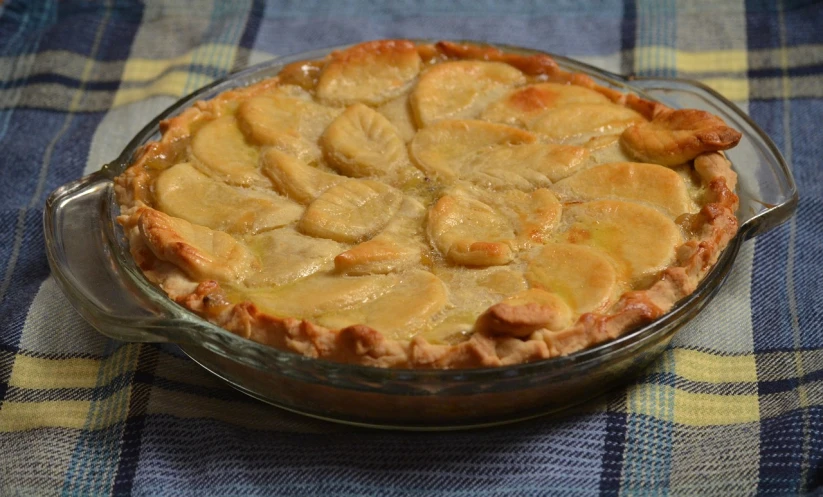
[(438, 205)]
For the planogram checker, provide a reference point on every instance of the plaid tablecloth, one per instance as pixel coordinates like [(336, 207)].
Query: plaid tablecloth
[(733, 407)]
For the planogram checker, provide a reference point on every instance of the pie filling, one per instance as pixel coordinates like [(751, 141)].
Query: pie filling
[(430, 206)]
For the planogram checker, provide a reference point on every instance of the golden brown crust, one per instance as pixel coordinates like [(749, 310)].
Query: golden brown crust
[(677, 136), (508, 332)]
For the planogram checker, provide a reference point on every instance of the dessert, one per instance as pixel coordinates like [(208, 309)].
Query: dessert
[(430, 206)]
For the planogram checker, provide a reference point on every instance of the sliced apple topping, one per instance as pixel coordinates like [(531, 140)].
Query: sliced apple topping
[(203, 254), (398, 112), (395, 249), (605, 149), (677, 136), (442, 150), (285, 256), (525, 167), (469, 232), (502, 281), (525, 312), (319, 293), (183, 191), (361, 142), (534, 215), (641, 239), (380, 255), (294, 178), (584, 277), (523, 106), (480, 229), (578, 123), (492, 155), (399, 313), (460, 89), (351, 211), (636, 181), (370, 73), (220, 149), (287, 119)]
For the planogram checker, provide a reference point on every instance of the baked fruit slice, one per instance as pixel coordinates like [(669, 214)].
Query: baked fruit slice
[(430, 206)]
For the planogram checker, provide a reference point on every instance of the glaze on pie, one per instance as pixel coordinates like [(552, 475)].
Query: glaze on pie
[(430, 206)]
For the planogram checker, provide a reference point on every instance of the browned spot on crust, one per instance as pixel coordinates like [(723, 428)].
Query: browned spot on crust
[(301, 73), (578, 235), (531, 99)]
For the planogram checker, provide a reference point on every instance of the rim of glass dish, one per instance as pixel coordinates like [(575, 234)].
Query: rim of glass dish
[(181, 316)]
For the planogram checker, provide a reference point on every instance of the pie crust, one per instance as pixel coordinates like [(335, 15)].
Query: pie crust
[(430, 206)]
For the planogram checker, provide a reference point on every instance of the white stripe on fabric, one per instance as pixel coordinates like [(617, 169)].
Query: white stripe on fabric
[(725, 325), (74, 336)]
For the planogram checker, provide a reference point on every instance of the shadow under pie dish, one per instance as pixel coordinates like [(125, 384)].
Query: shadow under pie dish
[(434, 206)]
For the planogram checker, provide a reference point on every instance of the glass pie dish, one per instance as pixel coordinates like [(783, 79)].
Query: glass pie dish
[(91, 262)]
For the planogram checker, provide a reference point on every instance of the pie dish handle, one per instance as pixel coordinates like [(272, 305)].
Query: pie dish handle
[(81, 246), (766, 187)]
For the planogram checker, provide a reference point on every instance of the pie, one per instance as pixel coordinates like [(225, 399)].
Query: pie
[(438, 205)]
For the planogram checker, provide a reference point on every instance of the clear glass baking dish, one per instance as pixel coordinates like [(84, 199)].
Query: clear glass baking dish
[(89, 259)]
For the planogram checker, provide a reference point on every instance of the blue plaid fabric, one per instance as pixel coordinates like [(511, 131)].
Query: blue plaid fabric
[(733, 407)]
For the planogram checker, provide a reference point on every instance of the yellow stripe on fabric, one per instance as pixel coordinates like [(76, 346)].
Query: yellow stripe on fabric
[(79, 414), (33, 372), (700, 409), (714, 61), (140, 69), (19, 416), (724, 61), (671, 404), (733, 89), (174, 82), (700, 366), (655, 57)]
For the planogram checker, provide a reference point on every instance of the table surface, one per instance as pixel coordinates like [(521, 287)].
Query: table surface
[(734, 406)]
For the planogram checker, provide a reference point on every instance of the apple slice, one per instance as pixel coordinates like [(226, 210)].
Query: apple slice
[(584, 277), (577, 123), (648, 183), (202, 253), (285, 256), (399, 313), (294, 178), (524, 106), (221, 151), (361, 142), (460, 89), (185, 192), (398, 112), (370, 73), (287, 119), (641, 239), (351, 211)]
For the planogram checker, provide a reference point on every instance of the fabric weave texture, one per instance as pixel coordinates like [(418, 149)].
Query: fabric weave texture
[(733, 407)]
